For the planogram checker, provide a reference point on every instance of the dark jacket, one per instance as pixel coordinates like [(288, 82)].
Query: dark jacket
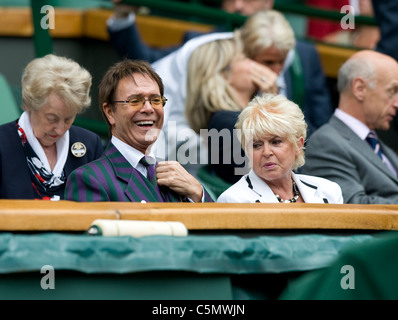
[(15, 180)]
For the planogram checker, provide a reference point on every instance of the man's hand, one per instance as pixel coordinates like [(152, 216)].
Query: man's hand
[(174, 176)]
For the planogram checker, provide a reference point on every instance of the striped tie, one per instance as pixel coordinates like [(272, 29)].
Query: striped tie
[(149, 163), (374, 143)]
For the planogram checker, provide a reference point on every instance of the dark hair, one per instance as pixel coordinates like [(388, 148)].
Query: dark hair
[(119, 71)]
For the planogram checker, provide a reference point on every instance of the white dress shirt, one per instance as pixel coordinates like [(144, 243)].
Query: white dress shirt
[(132, 155)]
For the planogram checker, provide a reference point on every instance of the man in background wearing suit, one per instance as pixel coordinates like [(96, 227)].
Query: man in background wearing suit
[(126, 39), (131, 101), (346, 149)]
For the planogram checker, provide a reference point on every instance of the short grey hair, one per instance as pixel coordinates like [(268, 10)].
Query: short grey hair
[(265, 29), (354, 68), (59, 75)]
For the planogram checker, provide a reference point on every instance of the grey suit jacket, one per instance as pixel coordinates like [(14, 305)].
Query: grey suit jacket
[(336, 153)]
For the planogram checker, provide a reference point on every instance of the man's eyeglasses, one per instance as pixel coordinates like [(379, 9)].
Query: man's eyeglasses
[(138, 102)]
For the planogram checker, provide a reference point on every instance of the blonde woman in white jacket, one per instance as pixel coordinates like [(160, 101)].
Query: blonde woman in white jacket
[(272, 131)]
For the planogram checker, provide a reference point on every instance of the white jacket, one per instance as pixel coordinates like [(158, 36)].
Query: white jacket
[(251, 188)]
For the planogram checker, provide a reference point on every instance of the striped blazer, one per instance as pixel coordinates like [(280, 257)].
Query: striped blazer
[(112, 178)]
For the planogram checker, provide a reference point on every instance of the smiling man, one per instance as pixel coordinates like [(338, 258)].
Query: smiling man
[(131, 101)]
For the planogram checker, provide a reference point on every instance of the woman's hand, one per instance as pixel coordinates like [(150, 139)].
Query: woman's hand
[(264, 78)]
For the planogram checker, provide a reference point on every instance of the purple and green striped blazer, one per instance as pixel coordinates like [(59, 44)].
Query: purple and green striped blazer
[(112, 178)]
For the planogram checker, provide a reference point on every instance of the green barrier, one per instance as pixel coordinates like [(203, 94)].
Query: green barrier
[(201, 254), (141, 286), (366, 271), (297, 75), (41, 36), (188, 11), (9, 109), (64, 266), (97, 126)]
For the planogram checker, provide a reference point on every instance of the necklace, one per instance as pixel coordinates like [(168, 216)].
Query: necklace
[(294, 199)]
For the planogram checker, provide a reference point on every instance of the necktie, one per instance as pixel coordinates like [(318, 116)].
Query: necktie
[(150, 163), (374, 143)]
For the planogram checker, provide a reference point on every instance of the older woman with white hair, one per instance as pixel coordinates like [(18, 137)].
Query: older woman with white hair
[(272, 131), (40, 149)]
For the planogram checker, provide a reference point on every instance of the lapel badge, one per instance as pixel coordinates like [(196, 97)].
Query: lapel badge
[(78, 149)]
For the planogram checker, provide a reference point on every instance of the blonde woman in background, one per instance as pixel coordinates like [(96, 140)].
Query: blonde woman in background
[(221, 82)]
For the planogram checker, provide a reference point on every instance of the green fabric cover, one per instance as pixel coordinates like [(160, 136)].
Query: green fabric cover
[(374, 274), (195, 253)]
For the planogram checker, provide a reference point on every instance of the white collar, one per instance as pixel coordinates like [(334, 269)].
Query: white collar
[(354, 124), (62, 146), (259, 186), (132, 155)]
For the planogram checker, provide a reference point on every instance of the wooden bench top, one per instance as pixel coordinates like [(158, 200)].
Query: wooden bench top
[(78, 216)]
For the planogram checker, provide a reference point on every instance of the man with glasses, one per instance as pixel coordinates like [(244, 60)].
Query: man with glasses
[(131, 101)]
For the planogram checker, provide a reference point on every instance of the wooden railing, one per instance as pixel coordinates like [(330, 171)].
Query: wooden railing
[(35, 215), (77, 23), (159, 31)]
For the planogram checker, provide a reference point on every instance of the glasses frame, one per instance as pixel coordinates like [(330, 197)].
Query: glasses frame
[(164, 100)]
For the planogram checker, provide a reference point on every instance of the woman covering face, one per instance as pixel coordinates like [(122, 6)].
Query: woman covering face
[(42, 143), (272, 131), (221, 81)]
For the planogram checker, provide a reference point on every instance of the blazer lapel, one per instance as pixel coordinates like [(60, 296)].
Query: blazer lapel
[(136, 186), (363, 147), (391, 155), (308, 191), (260, 187)]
